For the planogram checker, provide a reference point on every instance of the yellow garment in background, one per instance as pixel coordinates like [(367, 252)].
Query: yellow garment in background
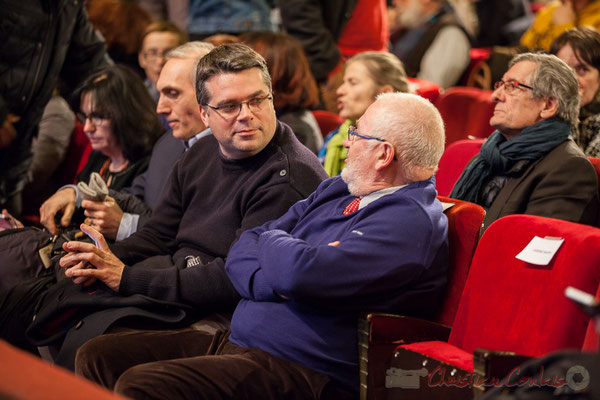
[(542, 31), (335, 158)]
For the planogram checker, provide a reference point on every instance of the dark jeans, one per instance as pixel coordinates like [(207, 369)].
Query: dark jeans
[(192, 364)]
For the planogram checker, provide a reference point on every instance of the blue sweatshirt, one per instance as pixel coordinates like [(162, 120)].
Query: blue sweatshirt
[(301, 297)]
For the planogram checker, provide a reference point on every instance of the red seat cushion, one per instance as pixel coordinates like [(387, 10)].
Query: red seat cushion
[(444, 352)]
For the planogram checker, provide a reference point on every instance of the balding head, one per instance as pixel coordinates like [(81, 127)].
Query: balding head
[(402, 140), (177, 87), (415, 128)]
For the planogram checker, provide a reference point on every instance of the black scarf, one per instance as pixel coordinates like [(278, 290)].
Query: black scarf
[(499, 155)]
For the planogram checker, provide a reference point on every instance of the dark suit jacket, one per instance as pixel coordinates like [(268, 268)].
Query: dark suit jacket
[(563, 184), (144, 193)]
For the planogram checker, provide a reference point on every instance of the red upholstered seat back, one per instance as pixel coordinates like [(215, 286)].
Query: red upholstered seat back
[(327, 121), (466, 111), (591, 342), (464, 222), (76, 156), (429, 90), (510, 305), (453, 162)]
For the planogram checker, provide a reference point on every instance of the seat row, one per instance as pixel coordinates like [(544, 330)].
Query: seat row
[(498, 310)]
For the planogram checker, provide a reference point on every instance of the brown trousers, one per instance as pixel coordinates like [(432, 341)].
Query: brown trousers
[(191, 364)]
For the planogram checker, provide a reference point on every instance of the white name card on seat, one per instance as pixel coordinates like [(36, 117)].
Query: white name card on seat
[(540, 250)]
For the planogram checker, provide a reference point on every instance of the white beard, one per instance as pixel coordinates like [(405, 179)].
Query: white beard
[(355, 176)]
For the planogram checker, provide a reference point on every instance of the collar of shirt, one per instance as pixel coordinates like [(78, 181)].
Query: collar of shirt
[(371, 197), (194, 139)]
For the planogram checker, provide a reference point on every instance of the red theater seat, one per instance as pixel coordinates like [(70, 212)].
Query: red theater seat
[(429, 90), (466, 111), (23, 376), (379, 334), (327, 121), (453, 162), (510, 310)]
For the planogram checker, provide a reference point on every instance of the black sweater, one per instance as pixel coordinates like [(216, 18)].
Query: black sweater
[(208, 202)]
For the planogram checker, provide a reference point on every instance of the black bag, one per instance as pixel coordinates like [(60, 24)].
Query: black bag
[(69, 315), (20, 255), (30, 252)]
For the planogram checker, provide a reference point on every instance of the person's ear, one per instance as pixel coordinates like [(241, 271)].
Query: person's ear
[(386, 156), (142, 60), (204, 115), (550, 108), (387, 89)]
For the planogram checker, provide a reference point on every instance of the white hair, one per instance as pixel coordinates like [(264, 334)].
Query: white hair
[(414, 127)]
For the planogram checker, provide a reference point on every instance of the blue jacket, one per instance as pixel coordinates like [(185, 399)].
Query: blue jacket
[(231, 16), (301, 297)]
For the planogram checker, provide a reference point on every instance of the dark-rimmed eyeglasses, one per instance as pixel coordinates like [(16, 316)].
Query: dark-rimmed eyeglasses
[(353, 134), (229, 111), (155, 54), (510, 85), (95, 118)]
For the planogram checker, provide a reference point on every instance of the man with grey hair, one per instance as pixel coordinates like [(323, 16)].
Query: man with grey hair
[(123, 213), (529, 165), (373, 239)]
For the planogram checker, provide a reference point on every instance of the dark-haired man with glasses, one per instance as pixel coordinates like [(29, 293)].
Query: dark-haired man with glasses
[(529, 165), (250, 171)]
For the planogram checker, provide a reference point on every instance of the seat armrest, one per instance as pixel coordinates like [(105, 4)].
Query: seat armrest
[(378, 335), (493, 366), (398, 329)]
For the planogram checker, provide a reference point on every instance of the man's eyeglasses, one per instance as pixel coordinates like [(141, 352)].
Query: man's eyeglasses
[(229, 111), (95, 119), (353, 134), (154, 54), (510, 85)]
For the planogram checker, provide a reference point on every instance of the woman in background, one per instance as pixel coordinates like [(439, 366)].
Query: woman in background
[(556, 18), (580, 49), (119, 119), (366, 75), (295, 91)]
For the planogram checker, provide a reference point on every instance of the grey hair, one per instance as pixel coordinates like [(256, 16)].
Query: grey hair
[(228, 58), (190, 50), (195, 50), (416, 130), (553, 78), (384, 68)]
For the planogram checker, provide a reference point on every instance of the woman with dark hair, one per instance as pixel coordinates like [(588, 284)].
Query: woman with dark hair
[(295, 90), (119, 118), (580, 49)]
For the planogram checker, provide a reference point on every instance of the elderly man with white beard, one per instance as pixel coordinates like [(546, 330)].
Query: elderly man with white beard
[(432, 41), (373, 239)]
